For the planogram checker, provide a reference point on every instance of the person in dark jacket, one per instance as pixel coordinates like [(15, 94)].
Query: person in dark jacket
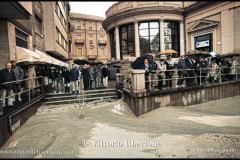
[(66, 77), (86, 77), (74, 76), (182, 73), (105, 75), (6, 90), (19, 74), (191, 72)]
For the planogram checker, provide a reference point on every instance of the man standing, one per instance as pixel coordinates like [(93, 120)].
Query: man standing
[(19, 74), (170, 70), (105, 74), (161, 68), (74, 75), (6, 90)]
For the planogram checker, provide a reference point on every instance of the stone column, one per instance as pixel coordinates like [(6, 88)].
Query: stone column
[(117, 43), (137, 46), (182, 40), (109, 54), (162, 44)]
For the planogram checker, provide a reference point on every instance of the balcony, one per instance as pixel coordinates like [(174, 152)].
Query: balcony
[(79, 41), (92, 57), (102, 42)]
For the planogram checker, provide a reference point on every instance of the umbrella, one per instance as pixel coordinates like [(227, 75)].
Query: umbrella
[(81, 61), (140, 60), (229, 55), (168, 51), (196, 54), (193, 52)]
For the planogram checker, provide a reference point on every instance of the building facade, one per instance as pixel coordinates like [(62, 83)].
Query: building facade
[(26, 27), (137, 27), (89, 39)]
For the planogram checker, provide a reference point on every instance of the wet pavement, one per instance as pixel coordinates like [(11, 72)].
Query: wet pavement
[(109, 129)]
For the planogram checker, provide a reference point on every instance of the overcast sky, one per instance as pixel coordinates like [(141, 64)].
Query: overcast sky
[(93, 8)]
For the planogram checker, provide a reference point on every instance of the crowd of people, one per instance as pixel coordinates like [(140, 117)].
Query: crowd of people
[(15, 79), (192, 71)]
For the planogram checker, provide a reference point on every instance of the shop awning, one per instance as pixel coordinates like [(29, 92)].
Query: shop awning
[(49, 59), (37, 57)]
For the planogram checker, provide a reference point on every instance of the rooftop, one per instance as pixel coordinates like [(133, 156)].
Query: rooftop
[(86, 16)]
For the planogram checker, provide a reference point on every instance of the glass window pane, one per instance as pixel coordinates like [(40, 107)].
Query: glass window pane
[(143, 32), (143, 25), (153, 24), (154, 32)]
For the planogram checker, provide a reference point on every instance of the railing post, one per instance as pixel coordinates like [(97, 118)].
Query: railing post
[(200, 76), (138, 81)]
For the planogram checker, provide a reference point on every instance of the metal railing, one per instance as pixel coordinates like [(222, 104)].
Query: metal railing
[(182, 77), (9, 92)]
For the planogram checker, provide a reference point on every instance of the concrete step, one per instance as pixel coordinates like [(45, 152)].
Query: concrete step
[(77, 100), (85, 92), (74, 96)]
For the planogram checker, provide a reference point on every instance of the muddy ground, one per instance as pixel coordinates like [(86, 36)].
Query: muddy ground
[(109, 129)]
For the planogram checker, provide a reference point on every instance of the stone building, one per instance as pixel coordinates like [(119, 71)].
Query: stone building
[(89, 39), (30, 29), (138, 27)]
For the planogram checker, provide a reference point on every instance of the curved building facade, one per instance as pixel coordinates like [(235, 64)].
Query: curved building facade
[(137, 27)]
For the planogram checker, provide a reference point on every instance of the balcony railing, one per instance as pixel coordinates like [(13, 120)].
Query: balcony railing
[(102, 42), (79, 41), (92, 56)]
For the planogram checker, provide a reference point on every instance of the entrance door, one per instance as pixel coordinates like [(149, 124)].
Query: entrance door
[(203, 43)]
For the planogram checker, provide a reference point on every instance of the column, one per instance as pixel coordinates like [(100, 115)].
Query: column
[(162, 44), (109, 53), (137, 46), (182, 46), (117, 43)]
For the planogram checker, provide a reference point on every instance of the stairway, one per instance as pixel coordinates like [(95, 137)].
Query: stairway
[(89, 95)]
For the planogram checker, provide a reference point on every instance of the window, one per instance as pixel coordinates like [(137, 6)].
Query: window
[(78, 25), (90, 39), (149, 37), (102, 50), (38, 25), (90, 26), (21, 39), (79, 51), (127, 40), (112, 43), (204, 43), (172, 36)]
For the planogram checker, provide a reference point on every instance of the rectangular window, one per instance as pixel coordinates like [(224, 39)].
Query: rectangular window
[(90, 39), (90, 26), (38, 25), (21, 39), (102, 51), (78, 24), (79, 51)]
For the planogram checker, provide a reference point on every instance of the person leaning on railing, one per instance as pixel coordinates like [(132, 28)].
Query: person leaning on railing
[(201, 68), (6, 89)]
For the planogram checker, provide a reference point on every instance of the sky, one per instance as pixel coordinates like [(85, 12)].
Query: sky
[(92, 8)]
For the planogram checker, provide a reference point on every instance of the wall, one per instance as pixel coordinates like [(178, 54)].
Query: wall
[(145, 102)]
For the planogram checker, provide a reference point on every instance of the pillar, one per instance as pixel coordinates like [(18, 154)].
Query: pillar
[(117, 43), (162, 44), (137, 46), (182, 46)]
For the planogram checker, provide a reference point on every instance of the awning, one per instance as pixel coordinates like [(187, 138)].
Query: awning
[(49, 59), (26, 55), (37, 57)]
